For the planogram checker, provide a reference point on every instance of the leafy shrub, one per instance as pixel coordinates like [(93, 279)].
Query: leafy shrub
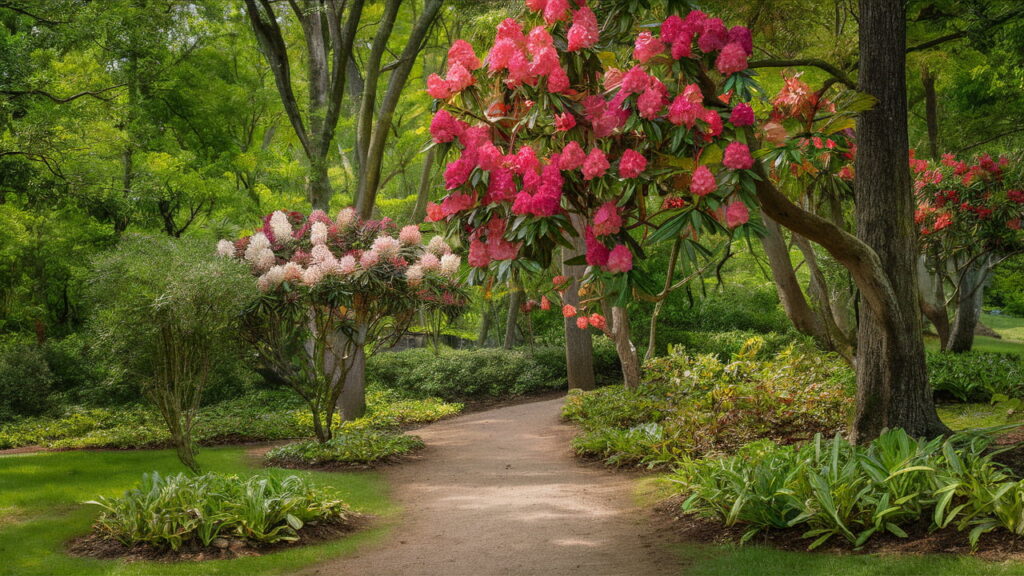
[(25, 380), (458, 374), (976, 376), (361, 446), (262, 415), (732, 307), (725, 345), (703, 405), (834, 488), (172, 511)]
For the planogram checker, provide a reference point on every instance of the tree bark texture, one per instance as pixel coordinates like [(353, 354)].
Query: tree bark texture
[(625, 348), (579, 344), (968, 307), (515, 298), (892, 382)]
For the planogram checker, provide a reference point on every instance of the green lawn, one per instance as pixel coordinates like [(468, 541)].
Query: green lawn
[(707, 560), (1011, 329), (41, 508), (1008, 327)]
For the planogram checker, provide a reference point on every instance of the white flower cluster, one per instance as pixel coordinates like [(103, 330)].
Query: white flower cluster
[(281, 227), (322, 262)]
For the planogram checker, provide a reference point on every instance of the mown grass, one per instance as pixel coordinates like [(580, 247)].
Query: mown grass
[(753, 560), (41, 510)]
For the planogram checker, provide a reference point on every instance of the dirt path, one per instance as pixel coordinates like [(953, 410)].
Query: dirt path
[(500, 493)]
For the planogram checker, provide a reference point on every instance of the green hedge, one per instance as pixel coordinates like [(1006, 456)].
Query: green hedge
[(461, 374)]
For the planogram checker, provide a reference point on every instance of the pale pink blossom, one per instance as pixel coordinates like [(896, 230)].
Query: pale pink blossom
[(292, 272), (410, 235), (226, 248), (438, 247), (429, 261), (280, 226), (274, 276), (450, 264), (346, 265), (264, 260), (313, 275), (414, 274), (318, 233), (369, 259), (386, 246), (346, 217)]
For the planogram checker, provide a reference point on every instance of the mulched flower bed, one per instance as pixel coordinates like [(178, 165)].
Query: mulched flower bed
[(103, 547)]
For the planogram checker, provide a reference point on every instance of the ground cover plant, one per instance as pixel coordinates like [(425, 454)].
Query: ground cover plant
[(831, 488), (700, 404), (268, 415), (42, 508), (196, 510), (347, 447)]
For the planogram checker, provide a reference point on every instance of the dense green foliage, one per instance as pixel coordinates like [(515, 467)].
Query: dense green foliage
[(976, 376), (259, 509), (461, 374), (694, 405), (25, 380), (364, 446), (259, 416), (833, 488)]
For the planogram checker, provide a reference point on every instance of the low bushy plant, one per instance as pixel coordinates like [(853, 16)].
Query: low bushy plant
[(260, 416), (177, 510), (703, 405), (359, 446), (976, 376), (25, 380), (834, 488)]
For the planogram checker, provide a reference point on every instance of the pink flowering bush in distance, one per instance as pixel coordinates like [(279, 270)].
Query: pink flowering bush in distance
[(548, 131), (334, 289)]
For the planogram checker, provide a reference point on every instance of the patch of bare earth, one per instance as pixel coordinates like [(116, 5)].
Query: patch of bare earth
[(500, 492)]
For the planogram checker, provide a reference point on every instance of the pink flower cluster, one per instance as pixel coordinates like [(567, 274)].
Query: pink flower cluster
[(462, 61)]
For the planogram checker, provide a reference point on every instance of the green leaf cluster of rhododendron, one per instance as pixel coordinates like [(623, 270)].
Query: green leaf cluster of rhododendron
[(546, 140)]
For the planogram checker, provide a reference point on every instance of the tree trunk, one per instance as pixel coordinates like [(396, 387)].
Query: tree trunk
[(419, 212), (515, 298), (933, 301), (892, 382), (369, 180), (353, 395), (579, 344), (794, 303), (318, 187), (624, 346), (486, 319), (931, 111), (968, 308)]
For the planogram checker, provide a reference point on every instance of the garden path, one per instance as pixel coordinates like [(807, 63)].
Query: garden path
[(500, 493)]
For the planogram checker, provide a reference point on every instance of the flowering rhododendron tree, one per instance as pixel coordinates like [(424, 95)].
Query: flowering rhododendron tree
[(809, 148), (969, 216), (331, 290), (548, 142)]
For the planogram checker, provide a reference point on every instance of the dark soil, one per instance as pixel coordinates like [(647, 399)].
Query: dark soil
[(996, 546), (101, 546)]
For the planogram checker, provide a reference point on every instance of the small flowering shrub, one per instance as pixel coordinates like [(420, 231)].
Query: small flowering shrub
[(550, 140), (330, 290)]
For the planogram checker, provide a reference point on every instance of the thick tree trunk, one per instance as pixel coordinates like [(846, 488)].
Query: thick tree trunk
[(968, 308), (624, 346), (486, 319), (515, 298), (318, 187), (892, 382), (579, 345), (353, 395)]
